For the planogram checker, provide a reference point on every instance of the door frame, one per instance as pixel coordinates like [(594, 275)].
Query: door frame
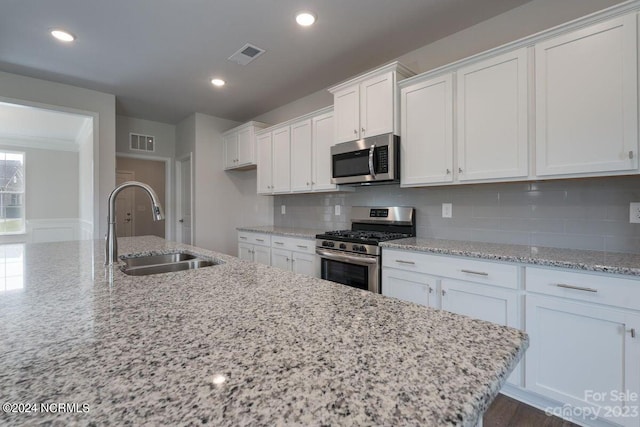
[(133, 199), (168, 180), (179, 160)]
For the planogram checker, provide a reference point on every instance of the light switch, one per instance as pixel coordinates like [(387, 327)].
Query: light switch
[(283, 209), (634, 212), (337, 210)]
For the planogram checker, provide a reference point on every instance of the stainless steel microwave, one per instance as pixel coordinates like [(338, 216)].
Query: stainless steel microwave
[(366, 161)]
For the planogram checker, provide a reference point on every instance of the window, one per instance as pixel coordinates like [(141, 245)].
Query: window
[(12, 219)]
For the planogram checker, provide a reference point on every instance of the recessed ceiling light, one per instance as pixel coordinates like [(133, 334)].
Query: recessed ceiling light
[(305, 18), (63, 35), (217, 82)]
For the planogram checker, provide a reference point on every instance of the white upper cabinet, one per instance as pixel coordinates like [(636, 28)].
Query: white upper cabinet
[(426, 147), (281, 160), (301, 148), (367, 105), (346, 104), (492, 117), (265, 152), (240, 146), (322, 137), (587, 100)]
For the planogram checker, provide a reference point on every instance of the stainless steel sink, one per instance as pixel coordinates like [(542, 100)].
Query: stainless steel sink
[(164, 263)]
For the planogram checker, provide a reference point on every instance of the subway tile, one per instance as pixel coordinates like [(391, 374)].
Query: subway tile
[(560, 240), (500, 236), (624, 244)]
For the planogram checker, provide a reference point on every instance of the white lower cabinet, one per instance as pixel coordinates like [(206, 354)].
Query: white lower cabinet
[(409, 286), (288, 253), (254, 247)]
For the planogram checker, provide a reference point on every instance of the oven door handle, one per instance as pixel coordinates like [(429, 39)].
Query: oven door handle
[(372, 170), (360, 260)]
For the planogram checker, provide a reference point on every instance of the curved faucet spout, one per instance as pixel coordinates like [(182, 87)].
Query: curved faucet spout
[(111, 248)]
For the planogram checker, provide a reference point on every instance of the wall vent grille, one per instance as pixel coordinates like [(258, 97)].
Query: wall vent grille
[(138, 142), (246, 54)]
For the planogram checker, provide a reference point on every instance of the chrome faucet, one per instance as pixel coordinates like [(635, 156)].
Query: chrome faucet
[(111, 248)]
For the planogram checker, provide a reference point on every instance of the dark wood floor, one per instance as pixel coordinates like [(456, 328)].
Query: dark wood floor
[(507, 412)]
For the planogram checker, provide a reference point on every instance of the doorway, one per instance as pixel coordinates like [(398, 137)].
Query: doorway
[(133, 208), (184, 190)]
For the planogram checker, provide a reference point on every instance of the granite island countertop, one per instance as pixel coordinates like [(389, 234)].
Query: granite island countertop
[(235, 344), (600, 261)]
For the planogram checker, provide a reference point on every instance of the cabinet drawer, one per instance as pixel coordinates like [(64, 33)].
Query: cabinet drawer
[(596, 288), (254, 238), (293, 244), (491, 273)]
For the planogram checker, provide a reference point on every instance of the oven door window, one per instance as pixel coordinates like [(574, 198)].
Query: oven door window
[(355, 163), (356, 276)]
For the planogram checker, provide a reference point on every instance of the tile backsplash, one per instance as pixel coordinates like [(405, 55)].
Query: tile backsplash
[(588, 214)]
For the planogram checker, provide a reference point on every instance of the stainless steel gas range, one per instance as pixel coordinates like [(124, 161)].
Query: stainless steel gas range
[(353, 257)]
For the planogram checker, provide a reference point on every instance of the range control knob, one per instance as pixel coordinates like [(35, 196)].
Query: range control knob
[(343, 246), (355, 248), (327, 244), (363, 249)]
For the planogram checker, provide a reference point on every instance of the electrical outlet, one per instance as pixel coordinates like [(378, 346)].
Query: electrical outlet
[(634, 212), (447, 210), (283, 209), (337, 210)]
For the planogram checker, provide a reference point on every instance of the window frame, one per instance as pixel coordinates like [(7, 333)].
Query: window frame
[(24, 194)]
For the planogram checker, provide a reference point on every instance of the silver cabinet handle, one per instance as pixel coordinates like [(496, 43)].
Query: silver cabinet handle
[(430, 289), (577, 288), (401, 261), (632, 331), (278, 243), (631, 154), (243, 238), (355, 132), (443, 293), (259, 240), (303, 246), (459, 170), (362, 130), (307, 184), (478, 273), (448, 172)]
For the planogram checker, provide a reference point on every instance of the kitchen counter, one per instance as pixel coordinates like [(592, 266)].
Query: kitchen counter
[(306, 233), (235, 344), (606, 262)]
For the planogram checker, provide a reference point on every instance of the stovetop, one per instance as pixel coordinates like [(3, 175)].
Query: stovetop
[(358, 236)]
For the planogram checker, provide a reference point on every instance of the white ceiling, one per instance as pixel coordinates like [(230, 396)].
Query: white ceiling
[(42, 128), (158, 56)]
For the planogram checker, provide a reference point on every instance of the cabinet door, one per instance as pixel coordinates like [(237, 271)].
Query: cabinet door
[(301, 156), (246, 147), (427, 132), (322, 137), (485, 303), (409, 286), (262, 254), (376, 105), (265, 143), (245, 251), (230, 150), (579, 350), (281, 160), (492, 118), (587, 100), (305, 264), (281, 258), (346, 106)]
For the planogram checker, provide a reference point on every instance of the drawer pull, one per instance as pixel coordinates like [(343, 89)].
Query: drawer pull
[(259, 240), (478, 273), (401, 261), (632, 331), (279, 243), (243, 238), (303, 246), (430, 290), (577, 288)]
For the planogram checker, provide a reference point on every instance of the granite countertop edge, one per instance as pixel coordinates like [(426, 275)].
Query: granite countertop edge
[(303, 233), (596, 261)]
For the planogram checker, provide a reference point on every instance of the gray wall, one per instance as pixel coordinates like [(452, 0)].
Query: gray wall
[(590, 214)]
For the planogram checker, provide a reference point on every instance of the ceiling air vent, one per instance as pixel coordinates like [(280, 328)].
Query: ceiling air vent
[(139, 142), (246, 54)]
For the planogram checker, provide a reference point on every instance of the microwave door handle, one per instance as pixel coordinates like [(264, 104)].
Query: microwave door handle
[(371, 169)]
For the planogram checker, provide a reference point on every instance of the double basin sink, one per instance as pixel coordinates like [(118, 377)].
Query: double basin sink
[(154, 263)]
